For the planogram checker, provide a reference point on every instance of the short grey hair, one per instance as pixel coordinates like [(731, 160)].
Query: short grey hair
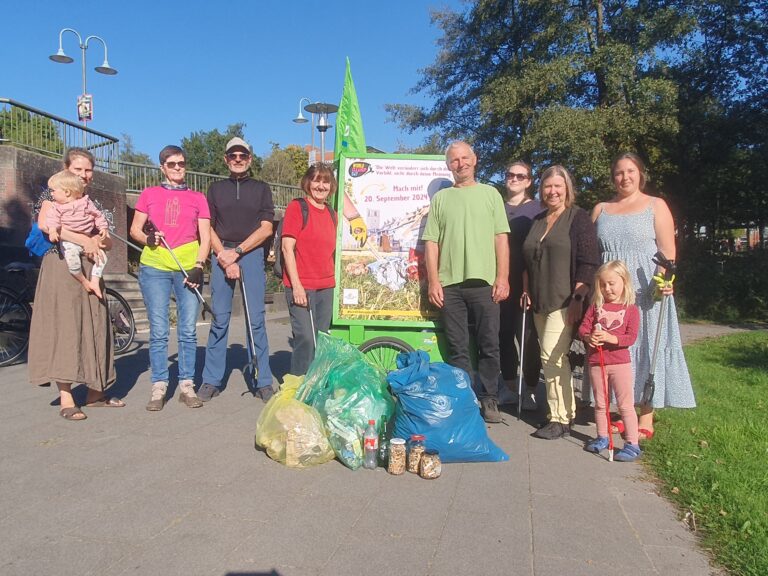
[(456, 144)]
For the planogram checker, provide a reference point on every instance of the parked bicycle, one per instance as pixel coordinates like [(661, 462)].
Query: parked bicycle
[(17, 294)]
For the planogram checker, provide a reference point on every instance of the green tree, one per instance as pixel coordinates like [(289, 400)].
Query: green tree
[(128, 152), (20, 127), (205, 150), (558, 81), (284, 165)]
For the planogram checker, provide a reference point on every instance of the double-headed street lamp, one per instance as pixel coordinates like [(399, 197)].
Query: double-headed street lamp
[(85, 101), (322, 110)]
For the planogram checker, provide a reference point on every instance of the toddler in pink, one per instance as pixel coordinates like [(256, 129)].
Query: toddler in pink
[(76, 212), (611, 324)]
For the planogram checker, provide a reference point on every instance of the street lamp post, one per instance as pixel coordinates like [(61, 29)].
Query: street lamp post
[(105, 68), (301, 120), (322, 110)]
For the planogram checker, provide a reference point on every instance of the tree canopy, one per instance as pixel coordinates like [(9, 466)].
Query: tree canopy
[(205, 150), (574, 82)]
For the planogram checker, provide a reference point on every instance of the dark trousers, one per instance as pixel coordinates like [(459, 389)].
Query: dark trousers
[(321, 303), (511, 332), (471, 302)]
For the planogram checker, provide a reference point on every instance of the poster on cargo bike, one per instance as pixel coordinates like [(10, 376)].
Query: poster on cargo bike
[(381, 276)]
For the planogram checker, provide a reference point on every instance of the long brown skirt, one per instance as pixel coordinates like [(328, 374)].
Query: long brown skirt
[(70, 337)]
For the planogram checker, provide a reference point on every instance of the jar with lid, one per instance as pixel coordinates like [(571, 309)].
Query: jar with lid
[(430, 466), (396, 463), (416, 449)]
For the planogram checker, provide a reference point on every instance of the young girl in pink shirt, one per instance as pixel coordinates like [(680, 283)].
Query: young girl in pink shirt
[(73, 210), (611, 323)]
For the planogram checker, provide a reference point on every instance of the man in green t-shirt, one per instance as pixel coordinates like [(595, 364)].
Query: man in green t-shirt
[(467, 255)]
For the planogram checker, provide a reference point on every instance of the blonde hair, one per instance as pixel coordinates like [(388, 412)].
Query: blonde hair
[(620, 269), (67, 181), (570, 190)]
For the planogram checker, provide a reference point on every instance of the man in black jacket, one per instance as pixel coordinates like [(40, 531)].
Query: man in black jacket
[(242, 212)]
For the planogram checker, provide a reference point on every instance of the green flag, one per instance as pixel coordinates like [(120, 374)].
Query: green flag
[(350, 139)]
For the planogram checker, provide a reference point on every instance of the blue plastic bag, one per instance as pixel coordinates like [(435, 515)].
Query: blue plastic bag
[(37, 243), (437, 400)]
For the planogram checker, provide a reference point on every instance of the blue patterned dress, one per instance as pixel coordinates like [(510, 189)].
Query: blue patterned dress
[(632, 238)]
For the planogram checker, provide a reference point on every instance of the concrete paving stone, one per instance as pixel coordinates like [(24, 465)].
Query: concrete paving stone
[(588, 530), (681, 561), (546, 565), (63, 556), (479, 543), (363, 553)]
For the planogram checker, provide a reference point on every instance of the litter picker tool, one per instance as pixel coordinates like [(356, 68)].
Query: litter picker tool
[(312, 323), (251, 370), (525, 303), (649, 389), (153, 228), (607, 397)]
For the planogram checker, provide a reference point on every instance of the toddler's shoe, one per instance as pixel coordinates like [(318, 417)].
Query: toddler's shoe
[(629, 453), (597, 445)]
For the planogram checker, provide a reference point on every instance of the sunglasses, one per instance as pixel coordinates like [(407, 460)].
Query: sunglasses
[(174, 165), (513, 176), (238, 155)]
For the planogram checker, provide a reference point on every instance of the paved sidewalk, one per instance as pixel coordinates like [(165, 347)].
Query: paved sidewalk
[(183, 492)]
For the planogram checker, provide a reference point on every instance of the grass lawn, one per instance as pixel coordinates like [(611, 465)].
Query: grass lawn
[(713, 461)]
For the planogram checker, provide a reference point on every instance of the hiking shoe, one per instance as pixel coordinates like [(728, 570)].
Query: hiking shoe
[(597, 445), (208, 391), (553, 431), (265, 393), (187, 394), (489, 407), (629, 453), (529, 402), (157, 399)]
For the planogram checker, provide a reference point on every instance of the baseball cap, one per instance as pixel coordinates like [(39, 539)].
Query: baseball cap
[(237, 142)]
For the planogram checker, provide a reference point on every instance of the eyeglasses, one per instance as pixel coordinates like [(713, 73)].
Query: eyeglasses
[(514, 176), (173, 165), (238, 156)]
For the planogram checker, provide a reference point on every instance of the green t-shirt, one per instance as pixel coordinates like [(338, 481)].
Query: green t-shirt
[(464, 222)]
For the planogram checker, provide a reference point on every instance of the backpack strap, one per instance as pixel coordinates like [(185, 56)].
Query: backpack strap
[(305, 212)]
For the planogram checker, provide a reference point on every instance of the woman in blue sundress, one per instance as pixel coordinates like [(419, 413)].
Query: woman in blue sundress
[(632, 227)]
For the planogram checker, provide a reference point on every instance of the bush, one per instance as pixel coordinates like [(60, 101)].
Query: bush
[(722, 287)]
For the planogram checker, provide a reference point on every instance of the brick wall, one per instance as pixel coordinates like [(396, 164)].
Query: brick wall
[(23, 175)]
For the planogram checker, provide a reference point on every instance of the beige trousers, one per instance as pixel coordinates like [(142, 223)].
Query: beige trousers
[(555, 341)]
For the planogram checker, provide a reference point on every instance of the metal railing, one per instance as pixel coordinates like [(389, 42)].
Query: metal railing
[(50, 135), (39, 131), (140, 176)]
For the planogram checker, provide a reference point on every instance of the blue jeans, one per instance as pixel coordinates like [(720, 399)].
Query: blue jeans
[(156, 286), (321, 302), (222, 290)]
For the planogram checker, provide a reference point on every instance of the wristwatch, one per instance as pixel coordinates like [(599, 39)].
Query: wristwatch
[(239, 251)]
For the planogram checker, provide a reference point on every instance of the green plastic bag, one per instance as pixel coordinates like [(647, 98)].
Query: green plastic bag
[(347, 392), (291, 432)]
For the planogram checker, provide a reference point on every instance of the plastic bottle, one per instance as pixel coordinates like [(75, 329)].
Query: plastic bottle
[(383, 444), (370, 446)]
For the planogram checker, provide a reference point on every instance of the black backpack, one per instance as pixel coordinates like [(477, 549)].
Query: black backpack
[(278, 243)]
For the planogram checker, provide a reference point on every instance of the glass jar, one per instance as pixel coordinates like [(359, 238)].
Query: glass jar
[(430, 466), (415, 452), (396, 463)]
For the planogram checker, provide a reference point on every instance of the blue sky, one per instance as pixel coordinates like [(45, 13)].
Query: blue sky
[(203, 64)]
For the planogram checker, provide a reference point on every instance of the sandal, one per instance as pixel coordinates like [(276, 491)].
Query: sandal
[(644, 434), (106, 402), (72, 413)]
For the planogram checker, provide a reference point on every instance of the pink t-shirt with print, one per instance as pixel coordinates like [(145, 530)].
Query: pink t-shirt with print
[(174, 212)]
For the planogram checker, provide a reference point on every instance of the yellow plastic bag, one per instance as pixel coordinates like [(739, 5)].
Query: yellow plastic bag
[(292, 432)]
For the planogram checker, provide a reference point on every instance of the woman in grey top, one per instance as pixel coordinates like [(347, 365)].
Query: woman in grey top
[(561, 258)]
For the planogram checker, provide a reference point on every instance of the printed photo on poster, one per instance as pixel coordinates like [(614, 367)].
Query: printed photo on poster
[(85, 107), (382, 272)]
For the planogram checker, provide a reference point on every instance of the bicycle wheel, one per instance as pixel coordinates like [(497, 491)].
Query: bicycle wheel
[(382, 351), (15, 318), (123, 323)]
